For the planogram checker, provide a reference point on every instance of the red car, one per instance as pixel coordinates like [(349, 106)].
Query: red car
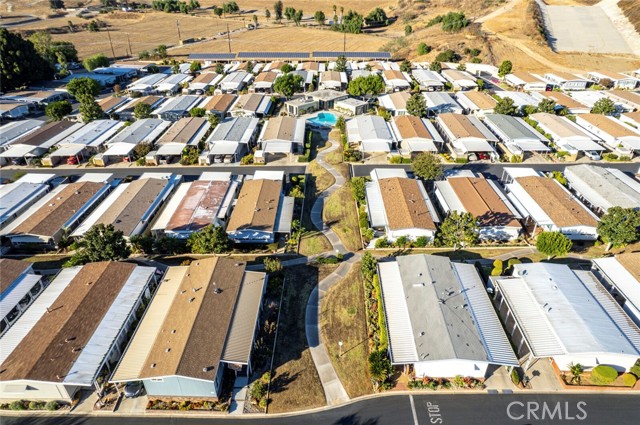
[(72, 160)]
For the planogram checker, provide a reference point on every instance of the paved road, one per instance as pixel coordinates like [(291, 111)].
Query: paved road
[(417, 409), (495, 170)]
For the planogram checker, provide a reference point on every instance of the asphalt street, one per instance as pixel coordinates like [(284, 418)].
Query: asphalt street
[(417, 409)]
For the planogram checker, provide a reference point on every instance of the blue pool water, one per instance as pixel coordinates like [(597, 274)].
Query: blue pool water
[(324, 119)]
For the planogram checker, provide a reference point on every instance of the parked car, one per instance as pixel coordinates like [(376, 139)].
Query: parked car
[(72, 160), (133, 389), (593, 155)]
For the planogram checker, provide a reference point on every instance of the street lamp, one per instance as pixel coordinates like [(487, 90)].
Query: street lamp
[(340, 345)]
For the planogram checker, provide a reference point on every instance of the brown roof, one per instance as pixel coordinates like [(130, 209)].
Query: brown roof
[(608, 125), (527, 77), (199, 206), (627, 96), (9, 106), (110, 102), (10, 270), (454, 74), (194, 331), (205, 77), (311, 66), (45, 133), (183, 130), (276, 65), (48, 219), (257, 205), (35, 93), (267, 77), (220, 102), (556, 202), (563, 99), (330, 76), (149, 100), (399, 99), (126, 212), (481, 200), (280, 128), (47, 353), (249, 102), (460, 126), (631, 262), (566, 76), (404, 205), (411, 126), (243, 66), (481, 99), (392, 74), (635, 116)]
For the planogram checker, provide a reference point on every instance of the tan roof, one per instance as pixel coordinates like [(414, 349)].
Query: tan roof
[(43, 134), (556, 202), (220, 102), (8, 106), (411, 127), (460, 126), (627, 96), (243, 66), (563, 99), (266, 77), (10, 270), (149, 100), (34, 93), (631, 262), (257, 205), (399, 99), (311, 66), (330, 76), (183, 130), (126, 212), (192, 337), (280, 128), (613, 75), (561, 126), (110, 102), (635, 116), (481, 100), (566, 75), (205, 77), (608, 125), (55, 342), (249, 102), (481, 200), (48, 219), (276, 65), (199, 206), (404, 205), (454, 74), (392, 74), (527, 77)]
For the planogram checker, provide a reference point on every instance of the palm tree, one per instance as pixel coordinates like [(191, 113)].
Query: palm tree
[(576, 372), (341, 13)]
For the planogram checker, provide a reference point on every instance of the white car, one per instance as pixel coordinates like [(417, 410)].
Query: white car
[(593, 155)]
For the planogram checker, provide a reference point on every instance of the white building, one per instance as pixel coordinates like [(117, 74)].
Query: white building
[(460, 80), (396, 103), (621, 276), (415, 135), (232, 139), (147, 84), (466, 136), (619, 81), (567, 135), (618, 135), (282, 135), (235, 82), (476, 102), (172, 84), (177, 107), (428, 80), (439, 318), (19, 287), (440, 103), (396, 80), (566, 81), (525, 82), (370, 133), (566, 315), (333, 80), (17, 197), (518, 136)]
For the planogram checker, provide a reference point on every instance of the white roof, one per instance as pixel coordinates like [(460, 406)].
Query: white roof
[(142, 131), (626, 284), (179, 104), (19, 288), (375, 205), (147, 82), (119, 149), (385, 173), (466, 145), (268, 175), (172, 81), (604, 187), (93, 134), (13, 130), (95, 177), (427, 78), (18, 151), (564, 312), (520, 99), (170, 149), (371, 128), (68, 150)]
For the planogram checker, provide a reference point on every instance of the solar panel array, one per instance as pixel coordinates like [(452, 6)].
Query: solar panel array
[(288, 55), (351, 55), (273, 55)]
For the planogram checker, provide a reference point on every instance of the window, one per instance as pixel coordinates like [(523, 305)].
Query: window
[(157, 380)]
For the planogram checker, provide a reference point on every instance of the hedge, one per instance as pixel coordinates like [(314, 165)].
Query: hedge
[(603, 375), (382, 321), (629, 379)]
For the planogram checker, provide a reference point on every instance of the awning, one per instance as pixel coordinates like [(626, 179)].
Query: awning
[(531, 146), (169, 149), (277, 147), (224, 148), (376, 146), (582, 145), (285, 215), (473, 146), (68, 150), (18, 151), (120, 149)]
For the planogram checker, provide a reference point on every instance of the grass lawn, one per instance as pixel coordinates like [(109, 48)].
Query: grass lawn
[(344, 319), (314, 243), (296, 384), (340, 214), (47, 261), (322, 178)]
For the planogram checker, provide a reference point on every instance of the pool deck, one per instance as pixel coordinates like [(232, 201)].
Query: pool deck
[(322, 123)]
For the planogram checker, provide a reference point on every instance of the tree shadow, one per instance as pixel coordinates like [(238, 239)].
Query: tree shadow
[(354, 419), (281, 382)]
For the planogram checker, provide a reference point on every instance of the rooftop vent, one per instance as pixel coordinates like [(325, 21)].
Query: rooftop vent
[(153, 365), (217, 291), (173, 331), (192, 299), (167, 350)]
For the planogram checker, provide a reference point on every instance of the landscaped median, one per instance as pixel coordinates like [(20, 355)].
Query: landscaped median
[(600, 378)]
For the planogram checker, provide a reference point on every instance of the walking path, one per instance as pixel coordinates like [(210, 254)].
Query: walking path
[(333, 389)]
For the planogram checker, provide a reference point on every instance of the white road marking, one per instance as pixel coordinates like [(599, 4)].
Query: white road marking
[(413, 409)]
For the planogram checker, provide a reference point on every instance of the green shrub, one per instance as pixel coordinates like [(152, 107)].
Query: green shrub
[(635, 369), (382, 243), (512, 262), (498, 264), (603, 375), (496, 272), (629, 379), (421, 241), (461, 160), (515, 377), (35, 405), (17, 405)]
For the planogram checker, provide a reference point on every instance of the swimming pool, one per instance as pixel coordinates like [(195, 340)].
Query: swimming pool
[(323, 119)]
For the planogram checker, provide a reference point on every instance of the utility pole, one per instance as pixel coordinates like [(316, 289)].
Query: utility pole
[(344, 43), (111, 44), (229, 38), (179, 36), (129, 42)]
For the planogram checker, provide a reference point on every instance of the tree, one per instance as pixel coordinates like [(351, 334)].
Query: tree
[(454, 21), (341, 64), (231, 7), (376, 16), (372, 84), (287, 84), (320, 17), (286, 68), (56, 4), (547, 105), (553, 244), (458, 230), (198, 112), (603, 106), (102, 242), (358, 189), (416, 105), (161, 51), (96, 61), (427, 166), (210, 240), (21, 64), (175, 69), (93, 26), (297, 17), (619, 226), (408, 30), (267, 13), (272, 265), (142, 110), (423, 49), (379, 365), (219, 68), (195, 67), (58, 110), (90, 110), (448, 56), (255, 20), (405, 66), (83, 87), (351, 23), (505, 106), (435, 66), (505, 68), (576, 372), (277, 10), (368, 266), (218, 11)]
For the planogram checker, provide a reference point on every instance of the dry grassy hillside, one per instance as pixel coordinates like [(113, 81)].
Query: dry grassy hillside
[(631, 9)]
